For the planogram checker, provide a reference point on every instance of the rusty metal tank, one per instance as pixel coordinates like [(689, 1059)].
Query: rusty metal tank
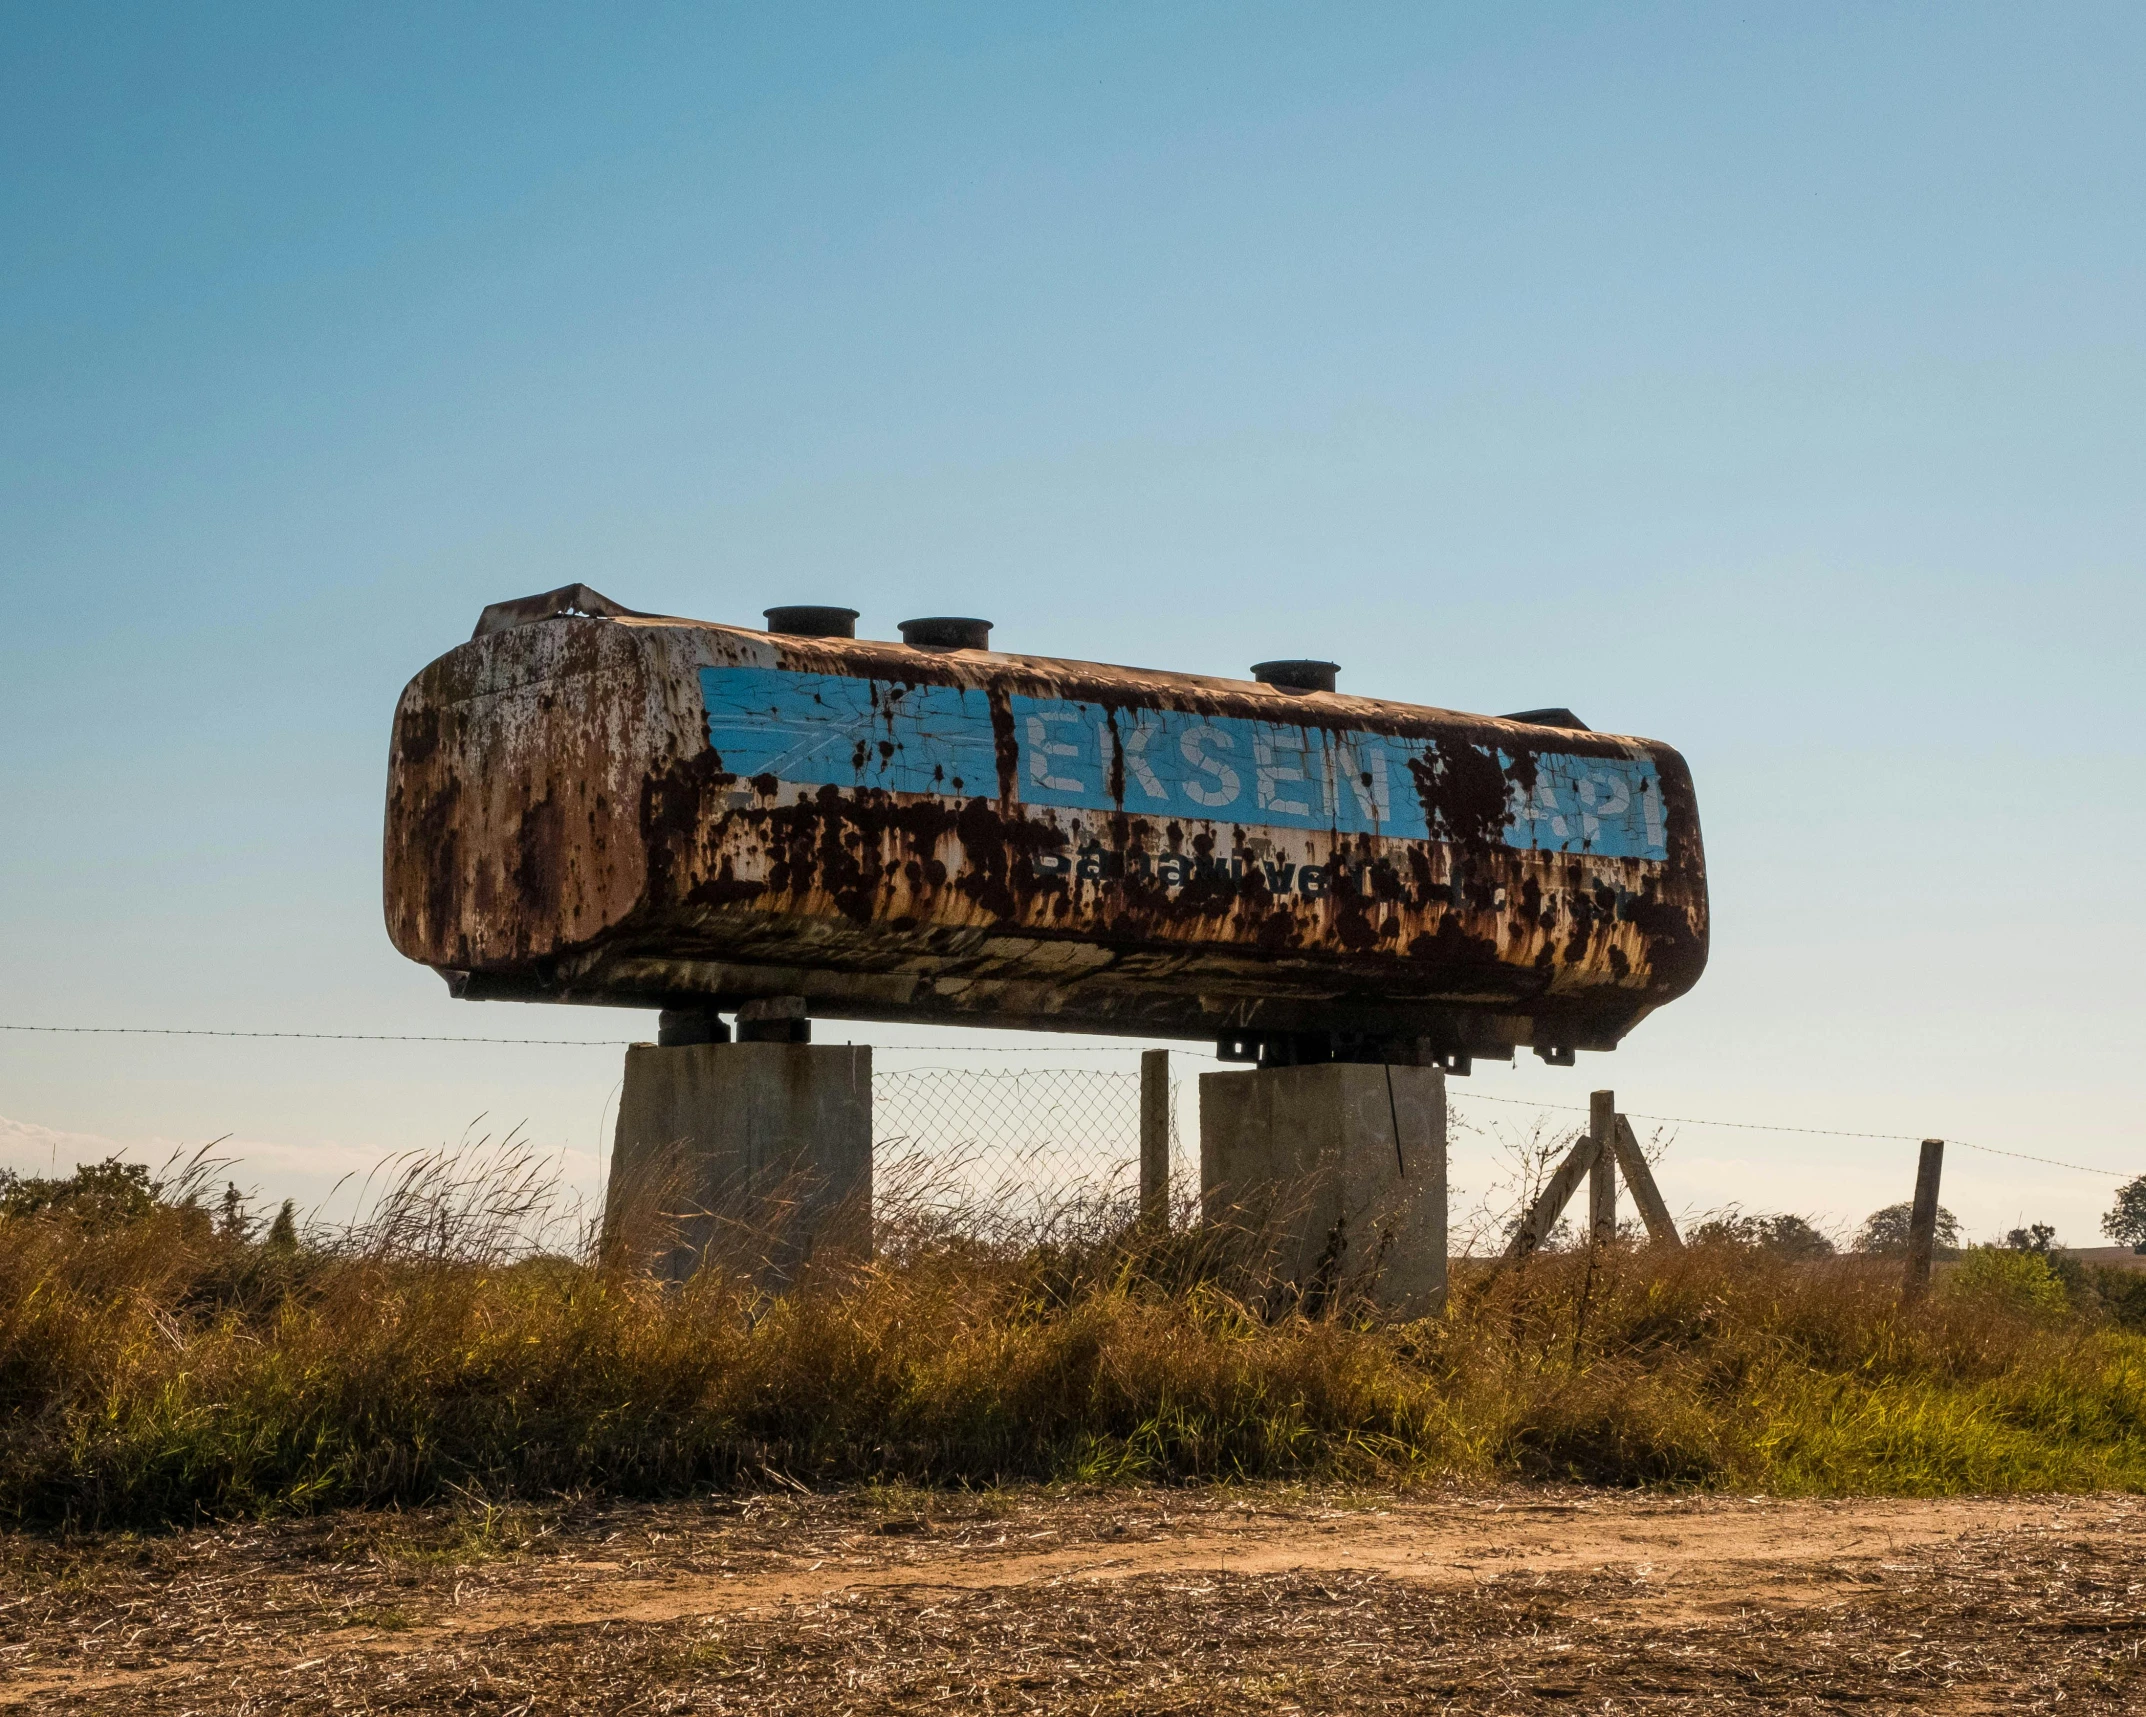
[(590, 804)]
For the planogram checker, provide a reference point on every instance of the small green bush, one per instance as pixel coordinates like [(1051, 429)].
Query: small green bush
[(2121, 1293), (2020, 1282)]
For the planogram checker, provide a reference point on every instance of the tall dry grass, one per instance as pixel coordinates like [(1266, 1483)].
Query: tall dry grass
[(160, 1367)]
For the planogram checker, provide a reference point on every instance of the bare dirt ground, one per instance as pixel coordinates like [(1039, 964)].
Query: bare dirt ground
[(1249, 1599)]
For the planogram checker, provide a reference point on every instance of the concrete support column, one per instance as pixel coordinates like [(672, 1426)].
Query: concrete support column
[(1340, 1169), (756, 1157)]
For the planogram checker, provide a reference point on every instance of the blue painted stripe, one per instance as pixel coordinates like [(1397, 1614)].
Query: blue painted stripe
[(835, 730), (1276, 774)]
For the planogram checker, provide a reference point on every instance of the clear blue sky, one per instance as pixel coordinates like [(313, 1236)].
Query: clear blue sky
[(1767, 380)]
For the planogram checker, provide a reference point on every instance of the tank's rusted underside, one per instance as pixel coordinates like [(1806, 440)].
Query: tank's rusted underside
[(559, 828)]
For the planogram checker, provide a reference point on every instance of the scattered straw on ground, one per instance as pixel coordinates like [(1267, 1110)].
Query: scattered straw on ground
[(1257, 1599)]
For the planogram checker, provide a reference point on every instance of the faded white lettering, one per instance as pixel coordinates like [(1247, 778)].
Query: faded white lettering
[(1042, 748), (1267, 774), (1226, 782), (1134, 747), (1595, 806)]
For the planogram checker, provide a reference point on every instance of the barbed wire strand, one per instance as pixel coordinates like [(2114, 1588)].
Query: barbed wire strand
[(310, 1036), (2022, 1156), (1022, 1049), (1769, 1127), (547, 1042)]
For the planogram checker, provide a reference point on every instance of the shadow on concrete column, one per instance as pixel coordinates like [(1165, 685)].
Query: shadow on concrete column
[(755, 1158), (1338, 1170)]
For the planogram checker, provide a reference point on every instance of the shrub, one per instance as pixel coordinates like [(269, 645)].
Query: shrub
[(1791, 1236), (2121, 1294), (2019, 1281)]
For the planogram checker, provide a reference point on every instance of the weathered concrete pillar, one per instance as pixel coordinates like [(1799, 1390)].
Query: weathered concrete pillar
[(1340, 1168), (753, 1156)]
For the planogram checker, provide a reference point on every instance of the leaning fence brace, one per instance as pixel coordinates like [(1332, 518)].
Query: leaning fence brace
[(1607, 1146)]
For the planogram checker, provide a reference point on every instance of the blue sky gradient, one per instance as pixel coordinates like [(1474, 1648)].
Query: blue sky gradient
[(1770, 381)]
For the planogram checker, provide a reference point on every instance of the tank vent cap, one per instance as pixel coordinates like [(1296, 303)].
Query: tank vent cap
[(803, 621), (1297, 676), (947, 632), (1554, 717)]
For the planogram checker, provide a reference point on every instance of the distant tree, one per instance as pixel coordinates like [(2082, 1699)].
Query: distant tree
[(97, 1195), (1797, 1236), (2039, 1237), (1791, 1236), (2126, 1222), (1885, 1232), (232, 1221), (283, 1232)]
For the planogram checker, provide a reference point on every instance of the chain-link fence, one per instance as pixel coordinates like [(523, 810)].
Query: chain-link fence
[(1016, 1145)]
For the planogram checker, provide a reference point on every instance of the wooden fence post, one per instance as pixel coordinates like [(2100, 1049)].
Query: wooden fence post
[(1598, 1153), (1922, 1220), (1155, 1136), (1653, 1208), (1602, 1171)]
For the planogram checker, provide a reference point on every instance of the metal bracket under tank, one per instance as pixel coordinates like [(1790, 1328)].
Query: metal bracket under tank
[(1315, 1048)]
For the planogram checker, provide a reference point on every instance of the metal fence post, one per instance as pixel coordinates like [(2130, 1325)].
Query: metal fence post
[(1154, 1136), (1922, 1221), (1602, 1172)]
